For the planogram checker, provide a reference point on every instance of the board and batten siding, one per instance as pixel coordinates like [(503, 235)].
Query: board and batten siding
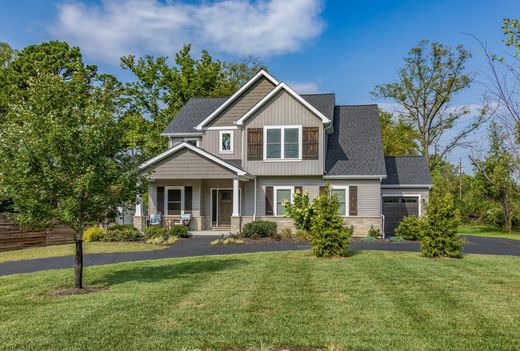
[(369, 192), (283, 109), (423, 192), (187, 165), (211, 143), (196, 193), (242, 104)]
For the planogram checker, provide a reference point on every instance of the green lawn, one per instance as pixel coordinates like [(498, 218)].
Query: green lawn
[(369, 301), (483, 230), (65, 250)]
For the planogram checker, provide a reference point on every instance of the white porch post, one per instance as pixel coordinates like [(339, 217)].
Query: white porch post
[(139, 206), (235, 198)]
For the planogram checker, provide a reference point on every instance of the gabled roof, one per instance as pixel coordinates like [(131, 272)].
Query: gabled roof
[(355, 148), (201, 152), (407, 170), (197, 109), (280, 87), (260, 74)]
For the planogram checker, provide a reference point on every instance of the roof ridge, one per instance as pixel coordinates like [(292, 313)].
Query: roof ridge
[(209, 97), (317, 94), (403, 156), (353, 105)]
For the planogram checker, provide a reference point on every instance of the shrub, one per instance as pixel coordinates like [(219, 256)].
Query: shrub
[(121, 232), (170, 240), (300, 210), (369, 238), (440, 227), (259, 229), (93, 234), (301, 234), (179, 231), (410, 228), (286, 233), (395, 239), (153, 232), (374, 233), (329, 237), (232, 239)]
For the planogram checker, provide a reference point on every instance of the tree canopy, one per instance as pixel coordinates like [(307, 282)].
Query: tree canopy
[(399, 137)]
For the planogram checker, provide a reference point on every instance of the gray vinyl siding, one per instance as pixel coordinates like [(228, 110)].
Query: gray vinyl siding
[(176, 140), (211, 143), (242, 104), (369, 192), (187, 165), (282, 110), (423, 192), (194, 183)]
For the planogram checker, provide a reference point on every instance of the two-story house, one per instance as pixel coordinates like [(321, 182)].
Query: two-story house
[(235, 159)]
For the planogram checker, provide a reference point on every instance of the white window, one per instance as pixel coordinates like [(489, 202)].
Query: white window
[(226, 141), (282, 142), (282, 194), (174, 200), (194, 142), (342, 194)]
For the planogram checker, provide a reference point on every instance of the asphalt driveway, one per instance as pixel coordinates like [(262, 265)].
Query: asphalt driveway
[(199, 246)]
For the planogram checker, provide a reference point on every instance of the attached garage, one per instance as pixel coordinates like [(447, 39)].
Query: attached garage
[(395, 208)]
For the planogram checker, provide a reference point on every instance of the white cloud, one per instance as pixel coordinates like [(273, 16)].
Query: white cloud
[(304, 87), (238, 27)]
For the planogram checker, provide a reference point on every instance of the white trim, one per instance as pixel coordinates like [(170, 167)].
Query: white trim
[(354, 177), (211, 204), (404, 186), (221, 128), (419, 199), (179, 135), (201, 152), (347, 197), (231, 141), (273, 92), (282, 143), (166, 188), (275, 197), (261, 73)]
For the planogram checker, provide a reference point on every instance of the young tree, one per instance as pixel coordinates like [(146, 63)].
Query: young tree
[(495, 174), (432, 76), (439, 236), (399, 137), (160, 90), (62, 157)]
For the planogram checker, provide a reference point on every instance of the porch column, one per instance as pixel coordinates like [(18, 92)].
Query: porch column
[(139, 206), (235, 198)]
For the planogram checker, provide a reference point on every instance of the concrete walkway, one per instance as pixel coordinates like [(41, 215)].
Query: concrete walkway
[(199, 246)]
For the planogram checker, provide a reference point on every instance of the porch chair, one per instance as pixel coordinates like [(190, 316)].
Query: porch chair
[(185, 220), (155, 219)]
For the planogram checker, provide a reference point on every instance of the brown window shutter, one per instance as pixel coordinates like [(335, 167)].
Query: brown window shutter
[(268, 200), (298, 189), (188, 199), (255, 144), (352, 204), (310, 143), (160, 200)]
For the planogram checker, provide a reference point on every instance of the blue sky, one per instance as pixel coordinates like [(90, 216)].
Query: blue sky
[(346, 47)]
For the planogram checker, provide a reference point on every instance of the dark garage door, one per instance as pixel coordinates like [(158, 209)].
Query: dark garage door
[(396, 208)]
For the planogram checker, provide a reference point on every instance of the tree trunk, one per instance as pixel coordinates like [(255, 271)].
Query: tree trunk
[(78, 267), (508, 218)]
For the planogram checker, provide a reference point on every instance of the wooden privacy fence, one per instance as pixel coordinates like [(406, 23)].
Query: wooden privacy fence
[(13, 236)]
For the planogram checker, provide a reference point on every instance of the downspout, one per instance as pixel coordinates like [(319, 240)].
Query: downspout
[(254, 203), (381, 209)]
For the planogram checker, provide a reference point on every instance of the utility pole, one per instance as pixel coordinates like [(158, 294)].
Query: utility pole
[(460, 178)]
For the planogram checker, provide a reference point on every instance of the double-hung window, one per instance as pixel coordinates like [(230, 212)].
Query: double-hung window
[(282, 142), (226, 142), (174, 201), (282, 194), (341, 195)]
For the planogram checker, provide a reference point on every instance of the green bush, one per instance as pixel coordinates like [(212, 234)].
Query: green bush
[(153, 232), (300, 210), (93, 234), (259, 229), (121, 232), (329, 237), (440, 227), (410, 228), (178, 230), (374, 233)]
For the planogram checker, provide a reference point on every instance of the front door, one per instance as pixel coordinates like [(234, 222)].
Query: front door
[(225, 207)]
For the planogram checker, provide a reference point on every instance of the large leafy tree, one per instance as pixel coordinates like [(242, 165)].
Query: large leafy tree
[(160, 89), (399, 137), (495, 175), (432, 76), (63, 158)]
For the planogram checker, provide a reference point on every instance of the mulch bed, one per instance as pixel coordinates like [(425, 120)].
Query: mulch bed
[(74, 291)]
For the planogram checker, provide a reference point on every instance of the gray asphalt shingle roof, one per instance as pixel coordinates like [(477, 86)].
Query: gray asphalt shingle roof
[(197, 109), (355, 147), (409, 170)]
